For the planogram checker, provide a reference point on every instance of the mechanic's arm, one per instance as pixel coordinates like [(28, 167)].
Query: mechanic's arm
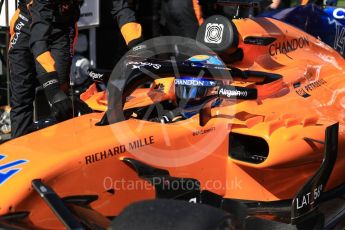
[(125, 17), (42, 16), (41, 27)]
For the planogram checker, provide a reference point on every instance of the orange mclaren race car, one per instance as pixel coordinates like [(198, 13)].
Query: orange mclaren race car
[(261, 138)]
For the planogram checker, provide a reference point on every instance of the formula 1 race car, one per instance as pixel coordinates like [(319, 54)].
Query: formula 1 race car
[(261, 138)]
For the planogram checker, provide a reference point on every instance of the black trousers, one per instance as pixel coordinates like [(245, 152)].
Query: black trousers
[(180, 18), (24, 69)]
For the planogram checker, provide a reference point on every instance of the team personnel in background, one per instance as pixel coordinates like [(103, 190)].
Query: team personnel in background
[(183, 17), (40, 51), (41, 47)]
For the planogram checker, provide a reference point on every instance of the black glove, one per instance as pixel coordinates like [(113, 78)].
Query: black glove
[(61, 105), (135, 42), (80, 107), (62, 108)]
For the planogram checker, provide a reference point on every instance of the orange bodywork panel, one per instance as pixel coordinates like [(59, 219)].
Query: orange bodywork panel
[(95, 99)]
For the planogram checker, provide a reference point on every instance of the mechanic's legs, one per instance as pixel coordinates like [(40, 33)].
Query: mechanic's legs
[(22, 91), (22, 74)]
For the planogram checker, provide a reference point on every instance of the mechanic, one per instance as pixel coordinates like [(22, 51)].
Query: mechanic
[(183, 17), (40, 50), (41, 47)]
